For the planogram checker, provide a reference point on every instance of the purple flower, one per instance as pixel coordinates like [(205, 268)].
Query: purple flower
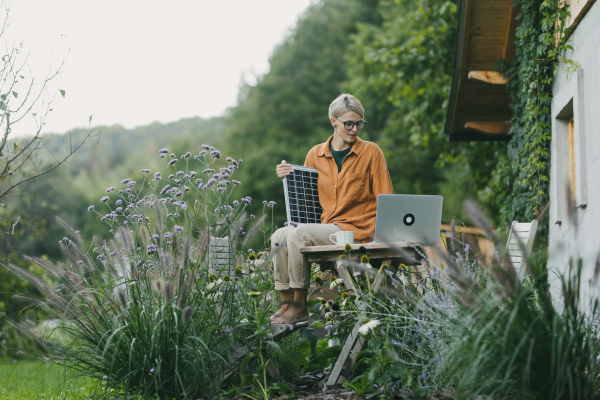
[(173, 155), (151, 370), (155, 236), (205, 146), (90, 208), (236, 203), (124, 181), (168, 235), (252, 216), (171, 176), (230, 159), (193, 174), (119, 209), (164, 151), (180, 173), (236, 182), (163, 191), (271, 204), (151, 248), (105, 377), (131, 183), (104, 199), (79, 262), (157, 176), (178, 228), (215, 154), (207, 170), (110, 189), (186, 155), (265, 202), (118, 202), (145, 171), (203, 152), (173, 161), (211, 182), (161, 155)]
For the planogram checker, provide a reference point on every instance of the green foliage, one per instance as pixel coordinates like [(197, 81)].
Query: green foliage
[(143, 311), (521, 182), (67, 192), (401, 70)]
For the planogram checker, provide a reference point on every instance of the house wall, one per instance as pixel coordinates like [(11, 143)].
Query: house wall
[(576, 234)]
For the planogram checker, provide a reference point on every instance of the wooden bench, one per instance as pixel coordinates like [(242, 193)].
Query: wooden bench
[(389, 254)]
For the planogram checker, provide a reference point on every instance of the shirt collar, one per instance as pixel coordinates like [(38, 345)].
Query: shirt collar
[(324, 147)]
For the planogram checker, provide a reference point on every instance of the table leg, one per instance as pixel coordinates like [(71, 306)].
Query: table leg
[(353, 346), (379, 278)]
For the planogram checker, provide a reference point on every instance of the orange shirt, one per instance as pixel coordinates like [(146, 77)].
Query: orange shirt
[(349, 198)]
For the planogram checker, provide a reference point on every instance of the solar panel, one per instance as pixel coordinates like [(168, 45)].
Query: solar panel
[(301, 192)]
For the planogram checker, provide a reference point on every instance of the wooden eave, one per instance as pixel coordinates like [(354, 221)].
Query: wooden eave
[(478, 108)]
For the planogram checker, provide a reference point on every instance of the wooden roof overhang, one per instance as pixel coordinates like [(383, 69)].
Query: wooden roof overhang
[(478, 109)]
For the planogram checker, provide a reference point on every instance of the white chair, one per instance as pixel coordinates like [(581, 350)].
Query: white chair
[(521, 239), (221, 256)]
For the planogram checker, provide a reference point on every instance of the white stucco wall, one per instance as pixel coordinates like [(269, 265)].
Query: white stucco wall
[(577, 235)]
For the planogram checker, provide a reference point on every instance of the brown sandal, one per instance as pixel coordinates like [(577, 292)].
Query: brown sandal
[(295, 303), (272, 317)]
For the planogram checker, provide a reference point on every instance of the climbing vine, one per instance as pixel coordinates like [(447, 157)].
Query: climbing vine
[(541, 40)]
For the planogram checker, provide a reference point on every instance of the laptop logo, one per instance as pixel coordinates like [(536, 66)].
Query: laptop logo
[(408, 219)]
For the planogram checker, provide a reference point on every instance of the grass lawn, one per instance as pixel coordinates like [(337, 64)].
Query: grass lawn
[(39, 380)]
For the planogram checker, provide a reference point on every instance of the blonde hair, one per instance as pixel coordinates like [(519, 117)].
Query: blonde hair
[(344, 103)]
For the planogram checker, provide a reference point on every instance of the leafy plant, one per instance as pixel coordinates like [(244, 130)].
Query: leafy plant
[(148, 311)]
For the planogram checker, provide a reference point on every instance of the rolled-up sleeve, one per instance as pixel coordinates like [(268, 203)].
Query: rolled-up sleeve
[(380, 176)]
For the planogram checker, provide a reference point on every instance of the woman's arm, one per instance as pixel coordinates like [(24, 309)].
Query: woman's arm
[(380, 176)]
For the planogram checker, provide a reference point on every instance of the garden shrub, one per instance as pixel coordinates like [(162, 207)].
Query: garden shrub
[(146, 312)]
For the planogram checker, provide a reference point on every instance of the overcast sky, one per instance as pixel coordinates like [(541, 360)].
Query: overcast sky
[(133, 62)]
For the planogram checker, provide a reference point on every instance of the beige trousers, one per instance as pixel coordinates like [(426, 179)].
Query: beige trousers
[(291, 272)]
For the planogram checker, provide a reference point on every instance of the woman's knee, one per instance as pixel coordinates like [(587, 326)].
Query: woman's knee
[(279, 236)]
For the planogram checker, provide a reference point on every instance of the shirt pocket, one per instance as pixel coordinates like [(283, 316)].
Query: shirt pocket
[(356, 188)]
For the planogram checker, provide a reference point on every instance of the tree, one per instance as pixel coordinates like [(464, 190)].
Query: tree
[(22, 97)]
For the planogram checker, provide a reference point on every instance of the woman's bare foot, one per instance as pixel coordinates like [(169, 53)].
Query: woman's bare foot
[(295, 313), (281, 311), (286, 296)]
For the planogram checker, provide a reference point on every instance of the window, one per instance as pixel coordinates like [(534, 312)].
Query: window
[(572, 185)]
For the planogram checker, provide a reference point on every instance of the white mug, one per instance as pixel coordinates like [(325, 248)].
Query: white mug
[(342, 238)]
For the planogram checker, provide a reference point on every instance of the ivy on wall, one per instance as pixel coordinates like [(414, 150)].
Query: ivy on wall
[(523, 178)]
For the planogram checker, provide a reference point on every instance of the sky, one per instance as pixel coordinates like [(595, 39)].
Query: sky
[(133, 62)]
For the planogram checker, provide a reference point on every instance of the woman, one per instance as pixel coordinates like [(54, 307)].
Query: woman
[(352, 172)]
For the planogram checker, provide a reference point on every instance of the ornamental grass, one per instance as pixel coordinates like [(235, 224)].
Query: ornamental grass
[(150, 311)]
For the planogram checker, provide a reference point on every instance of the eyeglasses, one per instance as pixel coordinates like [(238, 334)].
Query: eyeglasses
[(349, 125)]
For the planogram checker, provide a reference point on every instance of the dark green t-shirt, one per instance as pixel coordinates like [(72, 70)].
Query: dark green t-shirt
[(339, 156)]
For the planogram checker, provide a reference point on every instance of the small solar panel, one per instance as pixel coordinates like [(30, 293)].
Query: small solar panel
[(301, 191)]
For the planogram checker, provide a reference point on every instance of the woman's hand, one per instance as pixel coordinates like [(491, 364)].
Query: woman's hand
[(283, 169)]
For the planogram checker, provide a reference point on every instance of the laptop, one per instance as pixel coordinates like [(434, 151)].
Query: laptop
[(408, 218)]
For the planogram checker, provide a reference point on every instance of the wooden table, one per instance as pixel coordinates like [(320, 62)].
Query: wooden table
[(404, 253)]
